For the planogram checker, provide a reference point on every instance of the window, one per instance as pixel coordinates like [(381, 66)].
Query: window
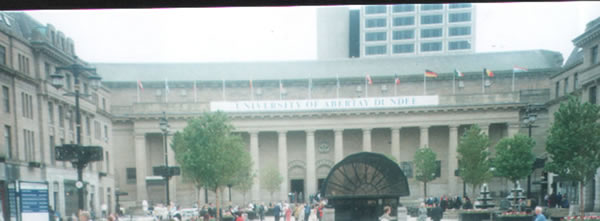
[(431, 33), (429, 7), (27, 105), (375, 23), (106, 156), (556, 89), (575, 81), (566, 86), (594, 56), (70, 116), (431, 46), (47, 70), (86, 89), (104, 100), (459, 45), (403, 21), (23, 64), (403, 8), (6, 99), (106, 133), (375, 50), (88, 127), (431, 19), (592, 95), (2, 55), (131, 176), (68, 82), (50, 113), (459, 17), (459, 31), (403, 48), (375, 9), (29, 144), (459, 5), (370, 36), (403, 35), (97, 130), (52, 150), (61, 116), (7, 141)]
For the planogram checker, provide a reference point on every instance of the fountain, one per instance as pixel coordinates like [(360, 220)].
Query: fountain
[(515, 196), (484, 198)]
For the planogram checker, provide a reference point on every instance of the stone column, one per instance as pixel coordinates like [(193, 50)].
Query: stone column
[(396, 143), (282, 151), (140, 167), (452, 161), (485, 128), (366, 139), (256, 165), (597, 197), (172, 162), (339, 145), (311, 178), (513, 128), (424, 136)]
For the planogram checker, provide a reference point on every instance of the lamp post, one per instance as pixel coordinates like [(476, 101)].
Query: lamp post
[(528, 121), (164, 127), (79, 155)]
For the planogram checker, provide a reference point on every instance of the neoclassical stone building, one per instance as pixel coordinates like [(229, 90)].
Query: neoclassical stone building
[(302, 117)]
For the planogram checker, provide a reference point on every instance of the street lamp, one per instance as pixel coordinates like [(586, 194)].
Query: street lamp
[(528, 121), (77, 154), (164, 127)]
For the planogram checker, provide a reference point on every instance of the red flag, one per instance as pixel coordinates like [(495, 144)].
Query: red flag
[(396, 79), (250, 83), (369, 80), (140, 85)]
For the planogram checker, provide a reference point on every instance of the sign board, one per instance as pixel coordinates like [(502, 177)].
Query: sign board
[(12, 201), (34, 201), (324, 104)]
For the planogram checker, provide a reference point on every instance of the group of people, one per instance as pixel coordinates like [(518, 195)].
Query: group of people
[(556, 200), (446, 202)]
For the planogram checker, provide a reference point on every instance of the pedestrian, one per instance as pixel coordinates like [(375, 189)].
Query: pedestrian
[(386, 214), (300, 213), (306, 212), (84, 216), (277, 211), (468, 204), (538, 214), (422, 213), (288, 212), (437, 213)]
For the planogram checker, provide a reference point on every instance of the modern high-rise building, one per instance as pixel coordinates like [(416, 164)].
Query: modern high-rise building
[(396, 30)]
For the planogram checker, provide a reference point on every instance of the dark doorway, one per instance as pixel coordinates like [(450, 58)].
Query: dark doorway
[(297, 187), (320, 184)]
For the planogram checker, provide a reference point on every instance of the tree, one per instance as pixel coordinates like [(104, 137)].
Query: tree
[(271, 180), (573, 143), (209, 154), (245, 184), (514, 158), (473, 158), (425, 167)]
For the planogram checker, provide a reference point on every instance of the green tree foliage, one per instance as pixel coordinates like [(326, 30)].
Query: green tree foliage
[(209, 154), (425, 166), (271, 180), (573, 143), (514, 157), (473, 158), (245, 184)]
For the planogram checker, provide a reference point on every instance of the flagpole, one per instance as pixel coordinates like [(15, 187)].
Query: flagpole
[(195, 93), (309, 86), (166, 90), (337, 86), (280, 87), (138, 91), (223, 89), (395, 87), (251, 89), (424, 84), (366, 87), (483, 81)]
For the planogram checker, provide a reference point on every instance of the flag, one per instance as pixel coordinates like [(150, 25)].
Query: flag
[(280, 86), (166, 86), (488, 72), (396, 79), (337, 78), (458, 73), (369, 80), (519, 69), (429, 73), (250, 83), (140, 85)]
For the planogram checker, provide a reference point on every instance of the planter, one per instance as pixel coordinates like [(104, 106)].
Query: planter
[(515, 218), (478, 216)]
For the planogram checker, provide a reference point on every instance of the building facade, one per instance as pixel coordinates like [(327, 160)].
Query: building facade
[(304, 125), (395, 30), (36, 117), (580, 77)]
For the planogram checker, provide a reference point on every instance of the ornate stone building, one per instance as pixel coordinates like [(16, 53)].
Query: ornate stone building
[(304, 116), (36, 117)]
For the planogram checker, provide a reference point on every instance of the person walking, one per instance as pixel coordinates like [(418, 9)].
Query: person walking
[(386, 214), (422, 213), (306, 212), (277, 211), (538, 214), (288, 212)]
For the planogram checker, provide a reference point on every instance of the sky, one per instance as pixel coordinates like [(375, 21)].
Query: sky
[(285, 33)]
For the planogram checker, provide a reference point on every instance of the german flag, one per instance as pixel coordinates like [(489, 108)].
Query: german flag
[(488, 72), (431, 74)]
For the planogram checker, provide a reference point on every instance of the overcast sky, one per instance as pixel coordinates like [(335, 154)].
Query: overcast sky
[(286, 33)]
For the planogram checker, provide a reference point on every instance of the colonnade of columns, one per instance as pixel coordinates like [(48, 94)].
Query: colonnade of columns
[(311, 178)]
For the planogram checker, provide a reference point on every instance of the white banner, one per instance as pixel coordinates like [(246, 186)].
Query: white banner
[(324, 104)]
